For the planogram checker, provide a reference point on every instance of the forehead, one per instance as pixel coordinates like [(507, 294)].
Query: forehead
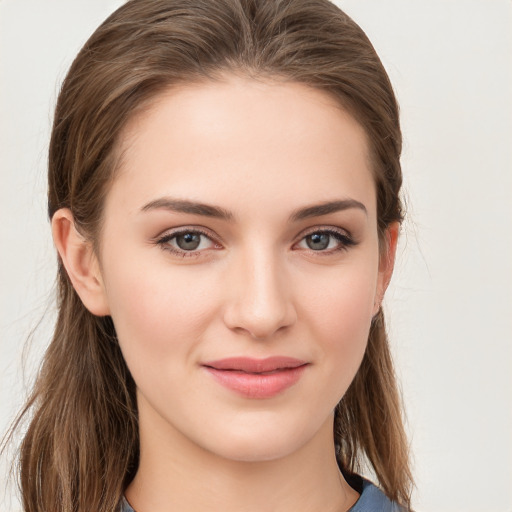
[(247, 143)]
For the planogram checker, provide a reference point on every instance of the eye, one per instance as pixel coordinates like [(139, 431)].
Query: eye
[(188, 242), (327, 241)]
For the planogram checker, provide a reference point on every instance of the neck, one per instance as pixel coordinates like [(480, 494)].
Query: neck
[(175, 474)]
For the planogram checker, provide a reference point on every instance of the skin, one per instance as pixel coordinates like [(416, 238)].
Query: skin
[(253, 287)]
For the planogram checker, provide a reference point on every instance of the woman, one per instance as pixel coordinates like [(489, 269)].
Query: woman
[(224, 186)]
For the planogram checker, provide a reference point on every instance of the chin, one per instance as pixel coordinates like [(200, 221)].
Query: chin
[(269, 442), (254, 451)]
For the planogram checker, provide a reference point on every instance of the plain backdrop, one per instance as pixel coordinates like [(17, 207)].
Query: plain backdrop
[(450, 302)]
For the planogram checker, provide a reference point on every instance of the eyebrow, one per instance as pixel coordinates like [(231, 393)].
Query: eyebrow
[(326, 208), (196, 208), (192, 207)]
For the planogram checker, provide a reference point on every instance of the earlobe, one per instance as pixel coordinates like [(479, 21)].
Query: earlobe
[(386, 263), (80, 262)]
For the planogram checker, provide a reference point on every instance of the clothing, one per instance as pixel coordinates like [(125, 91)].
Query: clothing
[(372, 499)]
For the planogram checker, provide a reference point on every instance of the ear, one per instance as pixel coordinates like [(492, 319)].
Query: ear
[(386, 263), (80, 262)]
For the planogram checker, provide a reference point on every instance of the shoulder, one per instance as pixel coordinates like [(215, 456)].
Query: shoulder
[(372, 499)]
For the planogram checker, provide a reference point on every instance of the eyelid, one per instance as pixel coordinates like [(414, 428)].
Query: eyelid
[(169, 234), (344, 237), (325, 229), (185, 229)]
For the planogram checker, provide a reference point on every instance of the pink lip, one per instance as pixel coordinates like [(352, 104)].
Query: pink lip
[(257, 378)]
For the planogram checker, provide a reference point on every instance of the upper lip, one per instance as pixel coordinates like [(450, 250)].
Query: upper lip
[(253, 365)]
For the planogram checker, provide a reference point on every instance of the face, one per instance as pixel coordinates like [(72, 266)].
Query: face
[(240, 264)]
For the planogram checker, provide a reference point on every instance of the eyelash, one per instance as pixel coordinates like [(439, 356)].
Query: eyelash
[(345, 241), (163, 242)]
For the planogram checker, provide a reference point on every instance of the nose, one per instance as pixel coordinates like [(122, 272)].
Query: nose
[(260, 299)]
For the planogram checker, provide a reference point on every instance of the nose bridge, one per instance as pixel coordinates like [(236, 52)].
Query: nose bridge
[(261, 302)]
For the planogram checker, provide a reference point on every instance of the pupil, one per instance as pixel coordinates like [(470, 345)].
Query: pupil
[(188, 241), (318, 241)]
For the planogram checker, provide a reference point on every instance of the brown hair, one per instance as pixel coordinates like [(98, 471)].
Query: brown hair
[(81, 447)]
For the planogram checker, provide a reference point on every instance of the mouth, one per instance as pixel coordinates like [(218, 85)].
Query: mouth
[(257, 378)]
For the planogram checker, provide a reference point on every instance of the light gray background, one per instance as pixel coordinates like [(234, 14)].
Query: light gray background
[(450, 302)]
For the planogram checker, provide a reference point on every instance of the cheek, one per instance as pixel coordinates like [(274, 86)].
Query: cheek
[(158, 310), (339, 318), (344, 300)]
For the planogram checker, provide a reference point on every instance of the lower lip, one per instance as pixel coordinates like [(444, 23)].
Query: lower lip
[(258, 385)]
